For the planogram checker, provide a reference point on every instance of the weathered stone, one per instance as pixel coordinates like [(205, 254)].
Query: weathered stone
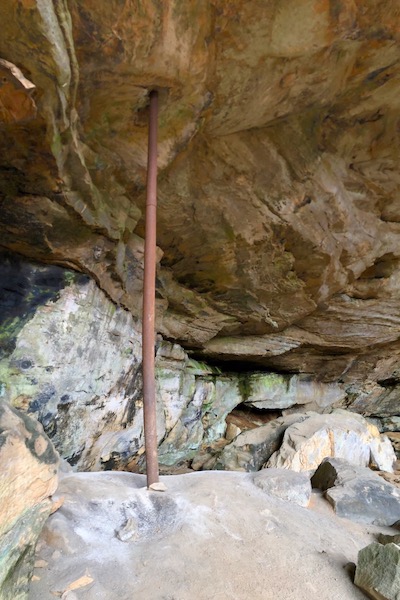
[(308, 280), (340, 434), (117, 505), (285, 484), (358, 493), (374, 399), (273, 391), (94, 416), (47, 371), (250, 450), (28, 477), (232, 431), (378, 571), (16, 102), (244, 417), (211, 514), (393, 478), (366, 501)]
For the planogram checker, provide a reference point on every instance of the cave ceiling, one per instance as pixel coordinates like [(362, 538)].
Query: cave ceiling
[(279, 206)]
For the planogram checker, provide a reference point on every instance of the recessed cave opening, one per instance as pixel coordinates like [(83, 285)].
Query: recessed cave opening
[(383, 267), (389, 382), (246, 416), (230, 364)]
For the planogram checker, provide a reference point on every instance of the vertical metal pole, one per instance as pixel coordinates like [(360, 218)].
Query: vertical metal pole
[(149, 285)]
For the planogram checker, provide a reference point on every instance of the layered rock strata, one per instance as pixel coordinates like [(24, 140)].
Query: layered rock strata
[(278, 201), (28, 478), (74, 361)]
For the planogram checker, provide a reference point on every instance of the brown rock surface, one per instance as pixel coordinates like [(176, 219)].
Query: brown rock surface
[(279, 218), (28, 478)]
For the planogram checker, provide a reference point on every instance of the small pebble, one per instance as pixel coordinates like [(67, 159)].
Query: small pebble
[(158, 487)]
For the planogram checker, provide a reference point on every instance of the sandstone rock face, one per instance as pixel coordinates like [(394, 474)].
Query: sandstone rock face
[(28, 478), (279, 212), (340, 434), (251, 449), (378, 571), (73, 359)]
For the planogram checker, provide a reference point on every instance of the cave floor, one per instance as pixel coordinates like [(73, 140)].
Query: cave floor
[(211, 536)]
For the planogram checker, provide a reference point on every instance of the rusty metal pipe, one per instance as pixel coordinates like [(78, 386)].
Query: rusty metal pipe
[(149, 290)]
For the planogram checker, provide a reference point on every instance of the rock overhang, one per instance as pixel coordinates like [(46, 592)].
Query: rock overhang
[(278, 211)]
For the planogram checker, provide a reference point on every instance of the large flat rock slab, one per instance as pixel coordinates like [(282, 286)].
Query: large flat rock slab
[(210, 535)]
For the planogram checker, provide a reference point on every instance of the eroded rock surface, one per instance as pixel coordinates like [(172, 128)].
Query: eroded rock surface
[(286, 485), (28, 478), (278, 201), (378, 571), (73, 359), (340, 434), (251, 449), (213, 515)]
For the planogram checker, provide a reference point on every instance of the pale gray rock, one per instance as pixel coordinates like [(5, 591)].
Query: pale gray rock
[(272, 390), (339, 434), (115, 506), (378, 571), (358, 493), (196, 548), (286, 485)]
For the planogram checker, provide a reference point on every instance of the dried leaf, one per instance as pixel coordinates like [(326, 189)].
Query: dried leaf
[(79, 583), (57, 504), (83, 581)]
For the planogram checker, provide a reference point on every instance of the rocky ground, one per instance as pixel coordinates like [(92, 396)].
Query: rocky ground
[(210, 536)]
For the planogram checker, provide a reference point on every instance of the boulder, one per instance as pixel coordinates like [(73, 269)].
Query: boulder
[(357, 493), (250, 450), (28, 478), (378, 571), (286, 485), (339, 434)]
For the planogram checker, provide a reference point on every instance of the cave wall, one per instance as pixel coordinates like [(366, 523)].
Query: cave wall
[(279, 211), (72, 359)]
